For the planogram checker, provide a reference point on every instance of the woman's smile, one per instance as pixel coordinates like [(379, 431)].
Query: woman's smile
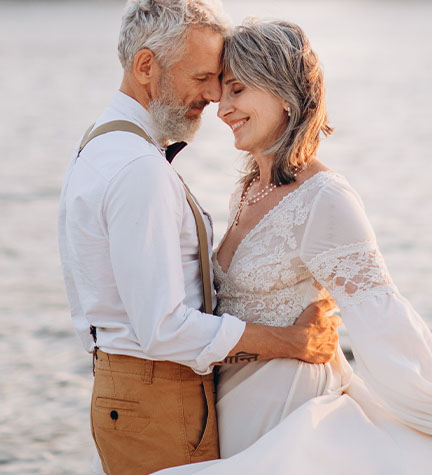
[(238, 124)]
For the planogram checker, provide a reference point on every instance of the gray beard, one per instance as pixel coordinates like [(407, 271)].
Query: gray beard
[(169, 117)]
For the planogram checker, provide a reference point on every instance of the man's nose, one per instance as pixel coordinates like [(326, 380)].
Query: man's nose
[(213, 91)]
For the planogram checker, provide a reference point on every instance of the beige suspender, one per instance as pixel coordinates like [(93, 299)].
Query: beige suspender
[(203, 253), (126, 126), (113, 126)]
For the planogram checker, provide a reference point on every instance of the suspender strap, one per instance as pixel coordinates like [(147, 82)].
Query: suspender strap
[(203, 254), (126, 126), (113, 126), (84, 140)]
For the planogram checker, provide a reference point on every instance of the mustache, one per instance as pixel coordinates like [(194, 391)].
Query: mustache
[(198, 105)]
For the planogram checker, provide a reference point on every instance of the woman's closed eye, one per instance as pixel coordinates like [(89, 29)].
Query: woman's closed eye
[(237, 89)]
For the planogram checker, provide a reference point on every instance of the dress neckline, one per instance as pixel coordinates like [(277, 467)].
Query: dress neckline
[(263, 219)]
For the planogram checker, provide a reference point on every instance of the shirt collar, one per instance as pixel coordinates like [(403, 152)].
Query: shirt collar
[(134, 111)]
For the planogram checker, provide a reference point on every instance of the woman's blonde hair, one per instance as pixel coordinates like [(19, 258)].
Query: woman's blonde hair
[(275, 56)]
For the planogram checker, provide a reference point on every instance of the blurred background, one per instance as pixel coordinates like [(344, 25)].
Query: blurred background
[(59, 70)]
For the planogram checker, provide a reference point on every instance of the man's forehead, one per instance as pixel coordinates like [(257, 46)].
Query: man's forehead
[(203, 44)]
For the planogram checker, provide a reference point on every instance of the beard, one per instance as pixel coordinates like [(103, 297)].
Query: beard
[(169, 116)]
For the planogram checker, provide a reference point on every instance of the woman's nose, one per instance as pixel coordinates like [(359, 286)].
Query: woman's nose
[(225, 108)]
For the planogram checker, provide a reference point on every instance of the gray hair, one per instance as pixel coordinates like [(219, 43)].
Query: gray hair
[(276, 57), (161, 26)]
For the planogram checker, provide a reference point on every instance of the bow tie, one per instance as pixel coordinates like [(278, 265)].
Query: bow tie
[(172, 150)]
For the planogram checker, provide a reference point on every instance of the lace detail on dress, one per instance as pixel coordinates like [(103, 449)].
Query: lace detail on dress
[(353, 273), (275, 299), (267, 281)]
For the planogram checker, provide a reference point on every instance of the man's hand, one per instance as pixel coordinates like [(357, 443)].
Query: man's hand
[(317, 338), (313, 338)]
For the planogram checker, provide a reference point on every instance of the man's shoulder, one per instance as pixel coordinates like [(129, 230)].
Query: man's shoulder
[(110, 154)]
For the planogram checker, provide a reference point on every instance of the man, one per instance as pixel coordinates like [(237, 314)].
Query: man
[(129, 247)]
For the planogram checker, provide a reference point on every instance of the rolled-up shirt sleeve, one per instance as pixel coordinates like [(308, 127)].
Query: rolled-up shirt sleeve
[(142, 212)]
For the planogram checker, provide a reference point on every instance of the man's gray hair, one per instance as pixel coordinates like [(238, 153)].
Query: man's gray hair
[(161, 26)]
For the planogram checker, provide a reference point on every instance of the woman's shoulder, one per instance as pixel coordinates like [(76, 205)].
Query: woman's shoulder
[(338, 212), (330, 179), (332, 187), (323, 186)]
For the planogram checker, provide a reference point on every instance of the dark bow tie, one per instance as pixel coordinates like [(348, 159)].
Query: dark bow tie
[(172, 150)]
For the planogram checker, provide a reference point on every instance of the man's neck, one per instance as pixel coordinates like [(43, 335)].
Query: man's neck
[(140, 94)]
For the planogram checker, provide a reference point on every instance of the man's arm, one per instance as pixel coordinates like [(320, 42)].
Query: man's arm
[(313, 338), (144, 211)]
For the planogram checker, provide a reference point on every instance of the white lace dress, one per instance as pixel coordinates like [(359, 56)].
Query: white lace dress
[(289, 417)]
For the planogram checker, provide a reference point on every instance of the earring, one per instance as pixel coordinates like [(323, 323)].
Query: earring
[(287, 108)]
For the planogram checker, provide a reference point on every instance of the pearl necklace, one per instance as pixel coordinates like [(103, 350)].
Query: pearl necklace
[(244, 200)]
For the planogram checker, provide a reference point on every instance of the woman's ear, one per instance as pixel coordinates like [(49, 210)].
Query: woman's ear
[(145, 67)]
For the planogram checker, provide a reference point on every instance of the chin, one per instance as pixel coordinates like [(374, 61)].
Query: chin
[(243, 147)]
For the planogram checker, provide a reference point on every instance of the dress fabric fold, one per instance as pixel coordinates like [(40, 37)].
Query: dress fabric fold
[(286, 416)]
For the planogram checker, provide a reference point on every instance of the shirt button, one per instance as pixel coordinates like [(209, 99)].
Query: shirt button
[(114, 415)]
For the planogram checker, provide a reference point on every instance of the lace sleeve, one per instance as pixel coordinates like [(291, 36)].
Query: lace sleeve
[(352, 273), (340, 248), (391, 343)]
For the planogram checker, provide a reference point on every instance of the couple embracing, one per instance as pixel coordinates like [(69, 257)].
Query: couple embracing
[(136, 249)]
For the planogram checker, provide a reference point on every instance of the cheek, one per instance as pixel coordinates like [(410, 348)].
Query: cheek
[(272, 113), (191, 94), (276, 122), (182, 90), (266, 122)]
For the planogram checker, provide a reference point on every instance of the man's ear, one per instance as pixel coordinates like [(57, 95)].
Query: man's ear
[(145, 67)]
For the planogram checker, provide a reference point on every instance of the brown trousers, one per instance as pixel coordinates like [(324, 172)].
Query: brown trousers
[(148, 415)]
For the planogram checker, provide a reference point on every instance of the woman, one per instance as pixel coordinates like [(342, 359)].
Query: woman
[(297, 231)]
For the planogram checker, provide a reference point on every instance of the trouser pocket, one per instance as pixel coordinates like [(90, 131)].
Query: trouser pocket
[(207, 446), (142, 426), (118, 414)]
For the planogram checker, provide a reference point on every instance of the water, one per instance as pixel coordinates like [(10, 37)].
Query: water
[(59, 70)]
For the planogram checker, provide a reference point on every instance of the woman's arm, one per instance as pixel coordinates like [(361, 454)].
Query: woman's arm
[(391, 343)]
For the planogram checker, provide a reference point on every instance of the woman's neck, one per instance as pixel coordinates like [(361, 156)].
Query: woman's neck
[(265, 163)]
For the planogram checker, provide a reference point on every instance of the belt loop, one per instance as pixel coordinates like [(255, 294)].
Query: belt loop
[(148, 372)]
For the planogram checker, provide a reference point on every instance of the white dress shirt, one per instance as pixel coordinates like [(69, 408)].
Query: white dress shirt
[(129, 251)]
